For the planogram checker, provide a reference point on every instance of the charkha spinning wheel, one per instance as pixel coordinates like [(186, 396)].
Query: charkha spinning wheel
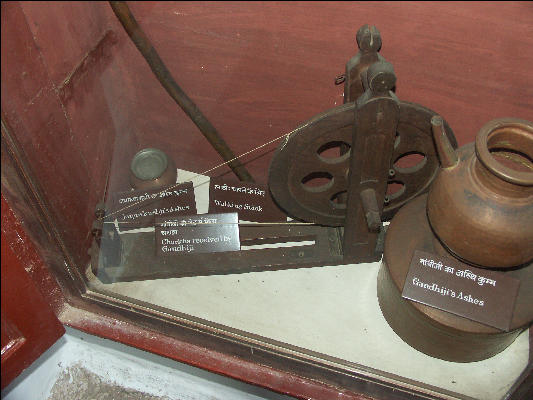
[(308, 175), (355, 165), (316, 168)]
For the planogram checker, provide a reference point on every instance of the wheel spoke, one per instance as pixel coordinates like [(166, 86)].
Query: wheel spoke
[(413, 182), (412, 140)]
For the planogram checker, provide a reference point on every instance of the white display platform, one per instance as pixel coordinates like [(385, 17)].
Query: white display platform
[(331, 310)]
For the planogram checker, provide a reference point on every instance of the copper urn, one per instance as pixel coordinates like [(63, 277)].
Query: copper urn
[(480, 206)]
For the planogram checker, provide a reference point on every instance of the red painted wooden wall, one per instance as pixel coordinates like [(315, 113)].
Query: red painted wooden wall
[(29, 326), (81, 101)]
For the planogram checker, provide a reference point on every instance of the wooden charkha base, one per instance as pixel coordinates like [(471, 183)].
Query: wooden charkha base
[(432, 331), (139, 260)]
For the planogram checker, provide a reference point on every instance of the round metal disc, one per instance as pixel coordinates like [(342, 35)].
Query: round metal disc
[(149, 164), (309, 171)]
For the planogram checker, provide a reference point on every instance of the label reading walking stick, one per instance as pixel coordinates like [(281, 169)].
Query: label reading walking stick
[(251, 201)]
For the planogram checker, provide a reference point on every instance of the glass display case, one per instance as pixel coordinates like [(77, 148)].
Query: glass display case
[(152, 154)]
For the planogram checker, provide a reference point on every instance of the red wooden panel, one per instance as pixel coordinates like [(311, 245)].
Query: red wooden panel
[(75, 66), (82, 105), (29, 326), (30, 253), (258, 69), (12, 338), (37, 119)]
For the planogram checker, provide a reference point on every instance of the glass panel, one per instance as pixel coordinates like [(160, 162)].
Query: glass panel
[(150, 211)]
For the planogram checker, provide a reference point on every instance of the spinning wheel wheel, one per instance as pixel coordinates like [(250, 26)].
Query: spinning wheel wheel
[(309, 173)]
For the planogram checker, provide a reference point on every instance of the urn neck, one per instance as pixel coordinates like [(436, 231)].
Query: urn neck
[(503, 159)]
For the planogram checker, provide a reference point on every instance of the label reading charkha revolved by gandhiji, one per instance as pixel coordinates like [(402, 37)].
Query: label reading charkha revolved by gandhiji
[(206, 233), (478, 294)]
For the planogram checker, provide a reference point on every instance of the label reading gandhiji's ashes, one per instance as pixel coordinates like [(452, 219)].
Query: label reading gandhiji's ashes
[(478, 294), (251, 201), (206, 233), (138, 208)]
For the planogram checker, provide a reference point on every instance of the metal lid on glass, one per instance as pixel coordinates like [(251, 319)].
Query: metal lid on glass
[(151, 168)]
